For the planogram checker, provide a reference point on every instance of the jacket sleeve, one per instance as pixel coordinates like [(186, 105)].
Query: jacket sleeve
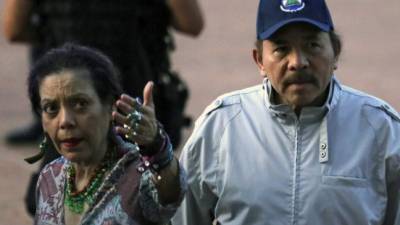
[(393, 187), (198, 158), (392, 164), (198, 205), (201, 159)]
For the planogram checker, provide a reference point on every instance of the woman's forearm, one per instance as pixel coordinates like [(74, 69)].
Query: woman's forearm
[(168, 186)]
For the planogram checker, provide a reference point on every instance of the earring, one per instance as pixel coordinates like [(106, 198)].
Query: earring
[(43, 146)]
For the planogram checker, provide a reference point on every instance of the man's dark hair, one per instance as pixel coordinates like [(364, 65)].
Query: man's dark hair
[(335, 40), (71, 57)]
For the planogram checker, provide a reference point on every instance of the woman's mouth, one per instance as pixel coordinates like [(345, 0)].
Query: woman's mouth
[(70, 142)]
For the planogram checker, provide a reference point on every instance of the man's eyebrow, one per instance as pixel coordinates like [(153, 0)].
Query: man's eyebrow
[(278, 41), (306, 36), (312, 36)]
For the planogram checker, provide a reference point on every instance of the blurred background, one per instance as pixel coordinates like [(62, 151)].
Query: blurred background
[(217, 62)]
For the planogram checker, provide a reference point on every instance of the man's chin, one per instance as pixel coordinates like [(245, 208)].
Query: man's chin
[(301, 102), (300, 87)]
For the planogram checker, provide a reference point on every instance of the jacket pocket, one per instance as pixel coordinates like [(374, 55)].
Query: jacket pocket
[(344, 181)]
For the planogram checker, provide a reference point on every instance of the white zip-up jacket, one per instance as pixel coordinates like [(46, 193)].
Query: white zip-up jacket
[(252, 162)]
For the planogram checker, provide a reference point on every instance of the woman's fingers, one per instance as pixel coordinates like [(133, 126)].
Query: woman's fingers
[(128, 99), (145, 125), (124, 120), (148, 95), (137, 121), (125, 107), (119, 118), (141, 137), (127, 104)]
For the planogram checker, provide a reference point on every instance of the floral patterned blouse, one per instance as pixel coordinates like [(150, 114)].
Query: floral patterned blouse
[(125, 197)]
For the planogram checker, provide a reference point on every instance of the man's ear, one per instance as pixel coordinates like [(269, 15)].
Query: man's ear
[(257, 57), (335, 64)]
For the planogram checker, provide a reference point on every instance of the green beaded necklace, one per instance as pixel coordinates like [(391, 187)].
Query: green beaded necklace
[(75, 200)]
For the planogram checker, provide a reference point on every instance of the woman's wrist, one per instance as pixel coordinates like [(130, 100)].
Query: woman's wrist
[(158, 155), (156, 145)]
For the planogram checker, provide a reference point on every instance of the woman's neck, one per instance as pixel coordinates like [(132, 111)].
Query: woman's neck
[(84, 171)]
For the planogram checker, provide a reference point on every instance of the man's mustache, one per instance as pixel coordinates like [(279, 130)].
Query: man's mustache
[(300, 78)]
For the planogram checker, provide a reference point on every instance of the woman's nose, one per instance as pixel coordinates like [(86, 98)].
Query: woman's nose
[(67, 119)]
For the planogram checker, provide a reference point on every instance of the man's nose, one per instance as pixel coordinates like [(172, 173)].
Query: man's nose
[(67, 119), (298, 60)]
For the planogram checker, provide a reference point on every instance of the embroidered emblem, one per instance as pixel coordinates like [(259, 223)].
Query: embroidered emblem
[(292, 5)]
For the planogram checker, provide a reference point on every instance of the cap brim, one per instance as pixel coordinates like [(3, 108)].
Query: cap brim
[(268, 33)]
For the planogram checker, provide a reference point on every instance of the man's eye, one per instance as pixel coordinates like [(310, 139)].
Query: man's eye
[(281, 49), (314, 45)]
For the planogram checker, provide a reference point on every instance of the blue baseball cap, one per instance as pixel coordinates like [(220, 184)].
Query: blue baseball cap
[(274, 14)]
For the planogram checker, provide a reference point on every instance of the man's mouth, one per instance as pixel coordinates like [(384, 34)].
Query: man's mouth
[(300, 79), (300, 82)]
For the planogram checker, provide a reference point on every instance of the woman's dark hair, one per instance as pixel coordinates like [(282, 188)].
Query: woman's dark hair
[(71, 57), (335, 40)]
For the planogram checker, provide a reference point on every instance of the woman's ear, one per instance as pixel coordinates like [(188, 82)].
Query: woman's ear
[(257, 57)]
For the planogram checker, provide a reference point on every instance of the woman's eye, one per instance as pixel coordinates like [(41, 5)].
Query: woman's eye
[(80, 104), (50, 108)]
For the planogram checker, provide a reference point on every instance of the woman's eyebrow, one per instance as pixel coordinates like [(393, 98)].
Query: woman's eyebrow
[(46, 99)]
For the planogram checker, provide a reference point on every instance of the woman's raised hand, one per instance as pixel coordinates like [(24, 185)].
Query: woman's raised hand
[(137, 121)]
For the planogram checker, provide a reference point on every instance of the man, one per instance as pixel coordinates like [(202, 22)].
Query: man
[(299, 149)]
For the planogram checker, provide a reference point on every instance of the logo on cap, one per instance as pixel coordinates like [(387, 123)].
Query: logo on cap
[(292, 5)]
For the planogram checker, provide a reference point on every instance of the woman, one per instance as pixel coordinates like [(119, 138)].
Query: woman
[(99, 178), (134, 34)]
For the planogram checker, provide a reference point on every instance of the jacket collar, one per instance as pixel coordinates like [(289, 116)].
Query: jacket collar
[(308, 113)]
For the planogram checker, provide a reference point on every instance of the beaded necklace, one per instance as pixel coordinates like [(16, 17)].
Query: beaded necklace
[(75, 200)]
